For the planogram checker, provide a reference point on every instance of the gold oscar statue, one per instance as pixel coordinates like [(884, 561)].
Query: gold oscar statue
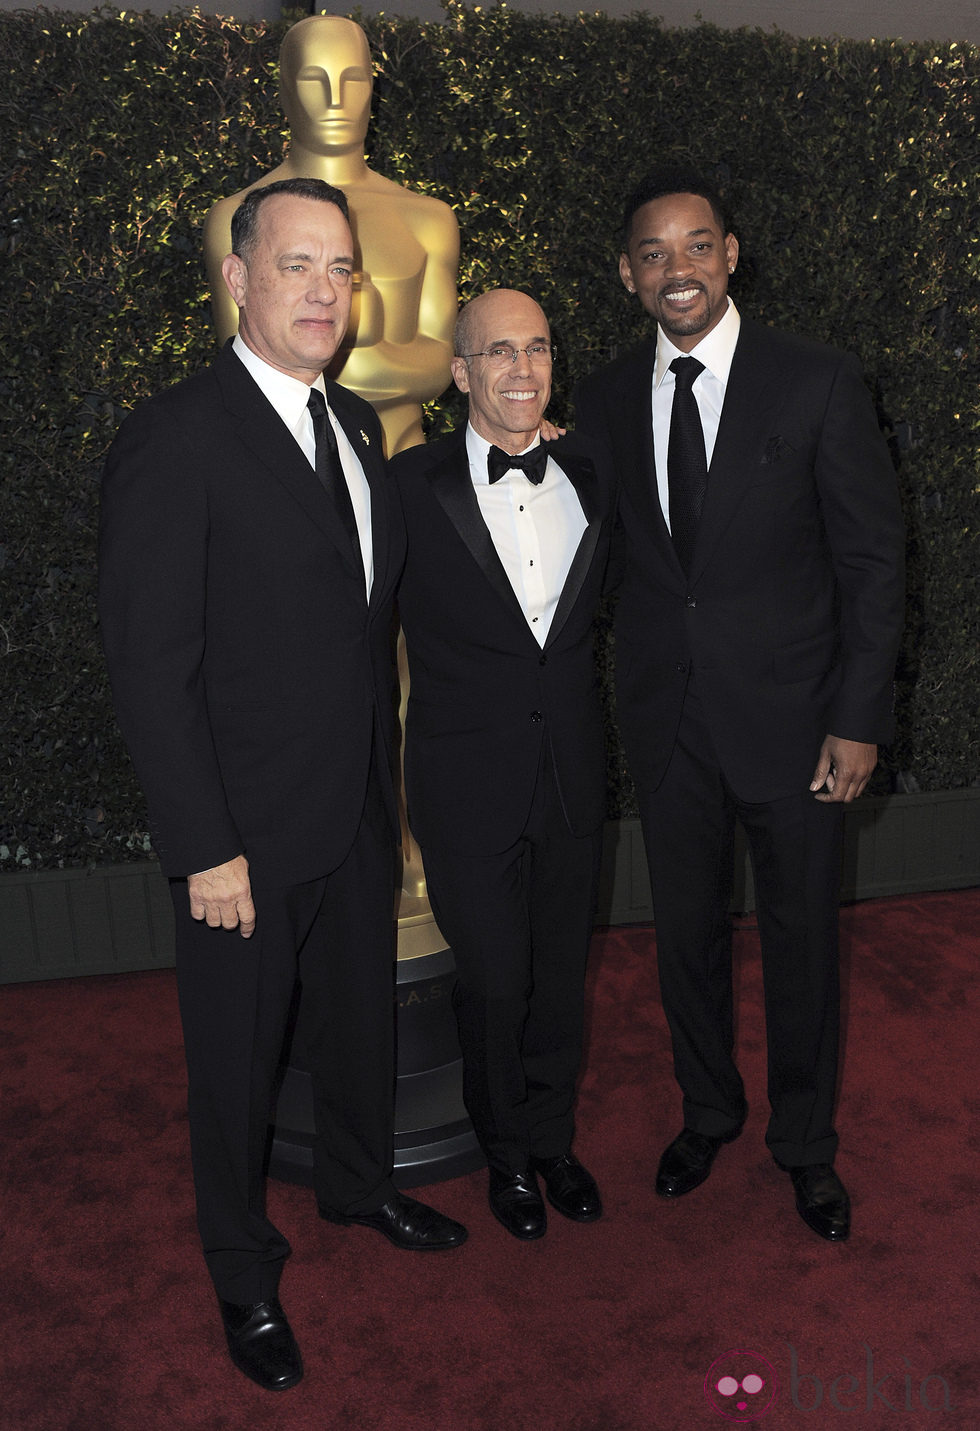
[(399, 344)]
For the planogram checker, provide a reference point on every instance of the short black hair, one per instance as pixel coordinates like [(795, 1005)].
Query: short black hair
[(673, 179), (244, 220)]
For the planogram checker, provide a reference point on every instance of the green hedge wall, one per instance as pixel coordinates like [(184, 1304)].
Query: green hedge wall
[(852, 171)]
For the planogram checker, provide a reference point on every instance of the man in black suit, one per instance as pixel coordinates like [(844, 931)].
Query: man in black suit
[(504, 758), (756, 636), (246, 615)]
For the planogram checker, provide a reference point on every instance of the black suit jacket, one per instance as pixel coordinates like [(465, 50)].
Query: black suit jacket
[(791, 616), (249, 671), (484, 695)]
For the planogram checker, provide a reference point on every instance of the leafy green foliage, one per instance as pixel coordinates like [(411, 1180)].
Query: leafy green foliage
[(851, 170)]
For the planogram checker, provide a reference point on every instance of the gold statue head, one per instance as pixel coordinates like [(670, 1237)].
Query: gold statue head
[(325, 83)]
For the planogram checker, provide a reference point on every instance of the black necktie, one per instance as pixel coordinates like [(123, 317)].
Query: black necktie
[(687, 467), (532, 463), (329, 467)]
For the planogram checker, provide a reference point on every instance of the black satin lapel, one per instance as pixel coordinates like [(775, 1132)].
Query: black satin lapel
[(582, 475), (583, 478), (574, 581), (453, 489)]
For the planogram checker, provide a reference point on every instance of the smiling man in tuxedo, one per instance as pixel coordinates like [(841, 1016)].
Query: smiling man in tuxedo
[(756, 636), (504, 753), (250, 545)]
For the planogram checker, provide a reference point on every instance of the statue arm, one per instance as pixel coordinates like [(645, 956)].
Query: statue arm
[(438, 302), (217, 244), (384, 369)]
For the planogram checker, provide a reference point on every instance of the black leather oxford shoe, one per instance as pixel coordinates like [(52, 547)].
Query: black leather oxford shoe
[(822, 1201), (570, 1187), (687, 1162), (411, 1225), (261, 1343), (516, 1203)]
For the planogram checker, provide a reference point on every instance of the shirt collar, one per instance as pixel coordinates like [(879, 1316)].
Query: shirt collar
[(289, 396), (715, 350), (478, 447)]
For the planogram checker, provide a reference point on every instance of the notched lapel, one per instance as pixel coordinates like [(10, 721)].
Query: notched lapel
[(638, 473), (745, 437), (371, 458), (266, 440)]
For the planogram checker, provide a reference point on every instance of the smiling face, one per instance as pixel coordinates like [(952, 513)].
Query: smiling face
[(293, 288), (506, 404), (678, 262)]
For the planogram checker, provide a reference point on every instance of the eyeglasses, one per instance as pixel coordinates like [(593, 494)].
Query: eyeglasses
[(502, 355)]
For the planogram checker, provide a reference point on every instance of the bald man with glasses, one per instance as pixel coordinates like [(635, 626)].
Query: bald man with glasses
[(504, 756)]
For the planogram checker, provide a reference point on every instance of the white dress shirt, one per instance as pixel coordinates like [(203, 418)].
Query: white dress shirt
[(536, 530), (715, 351), (290, 398)]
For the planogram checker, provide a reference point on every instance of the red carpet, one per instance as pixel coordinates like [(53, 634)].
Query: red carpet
[(109, 1323)]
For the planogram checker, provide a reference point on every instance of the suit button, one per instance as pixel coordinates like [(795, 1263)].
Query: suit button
[(691, 602), (535, 717), (681, 667), (542, 660)]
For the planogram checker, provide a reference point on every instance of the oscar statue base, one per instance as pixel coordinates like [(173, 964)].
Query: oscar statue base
[(434, 1138)]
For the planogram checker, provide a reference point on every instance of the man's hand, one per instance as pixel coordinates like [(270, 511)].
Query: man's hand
[(549, 432), (844, 767), (223, 896)]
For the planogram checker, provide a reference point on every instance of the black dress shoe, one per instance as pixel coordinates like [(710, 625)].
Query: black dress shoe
[(516, 1202), (411, 1225), (822, 1201), (687, 1162), (570, 1187), (261, 1343)]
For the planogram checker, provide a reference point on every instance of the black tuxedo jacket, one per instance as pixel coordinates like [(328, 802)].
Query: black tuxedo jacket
[(250, 672), (484, 695), (791, 616)]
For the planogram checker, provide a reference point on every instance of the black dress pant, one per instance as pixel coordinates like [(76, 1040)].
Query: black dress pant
[(519, 924), (795, 847), (336, 934)]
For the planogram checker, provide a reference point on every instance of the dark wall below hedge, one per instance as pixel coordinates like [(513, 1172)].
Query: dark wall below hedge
[(852, 170)]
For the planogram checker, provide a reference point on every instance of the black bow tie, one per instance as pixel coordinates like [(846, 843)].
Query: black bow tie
[(532, 463)]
